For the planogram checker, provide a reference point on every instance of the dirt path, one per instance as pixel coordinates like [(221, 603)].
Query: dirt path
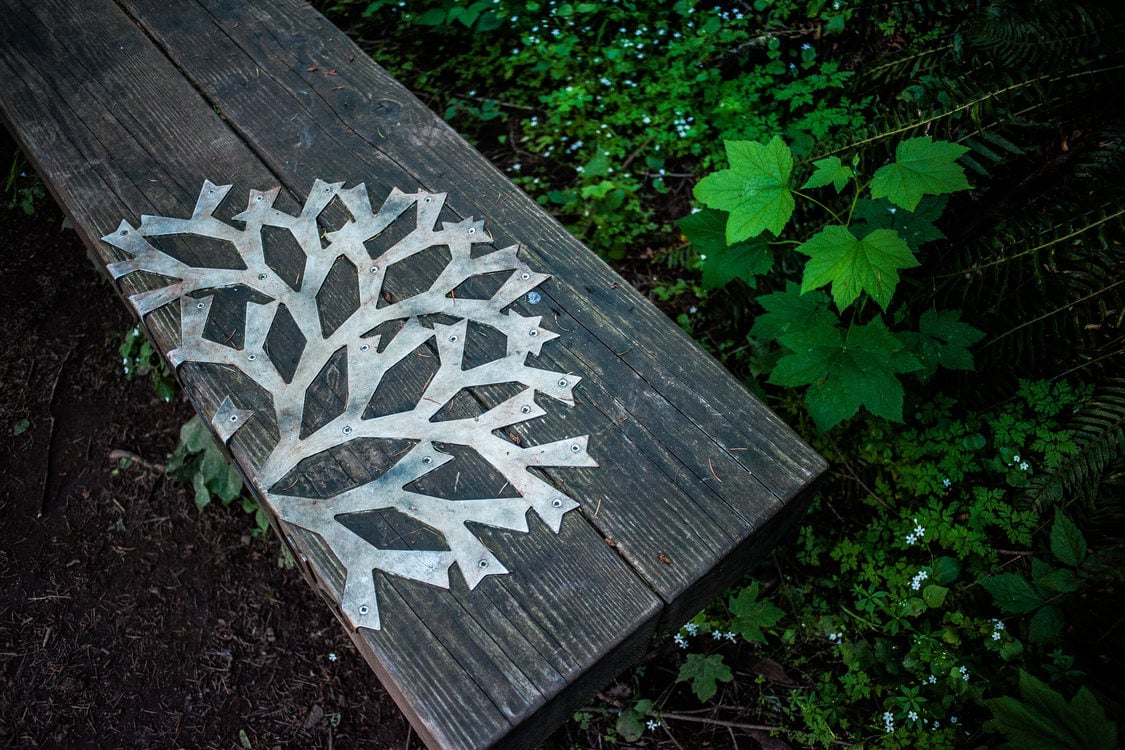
[(127, 619)]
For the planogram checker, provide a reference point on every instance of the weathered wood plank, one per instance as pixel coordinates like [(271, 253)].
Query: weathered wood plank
[(624, 333), (118, 112)]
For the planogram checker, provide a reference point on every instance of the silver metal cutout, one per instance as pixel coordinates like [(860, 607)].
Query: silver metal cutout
[(366, 366)]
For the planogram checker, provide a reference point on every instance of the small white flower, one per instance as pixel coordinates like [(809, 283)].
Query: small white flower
[(997, 623), (1016, 458), (729, 636), (652, 724), (691, 628), (913, 716), (680, 641), (932, 680), (332, 656), (964, 673), (952, 719), (716, 635), (1024, 466), (947, 482), (995, 635)]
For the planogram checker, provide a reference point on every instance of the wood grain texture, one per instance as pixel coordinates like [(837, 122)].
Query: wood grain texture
[(126, 108)]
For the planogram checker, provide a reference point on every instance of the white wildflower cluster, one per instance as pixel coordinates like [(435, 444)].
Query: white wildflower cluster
[(679, 640), (836, 637), (654, 724), (916, 581), (889, 722), (1021, 464), (916, 535), (964, 672), (997, 629)]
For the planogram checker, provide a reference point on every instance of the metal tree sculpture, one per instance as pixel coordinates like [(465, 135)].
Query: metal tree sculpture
[(368, 360)]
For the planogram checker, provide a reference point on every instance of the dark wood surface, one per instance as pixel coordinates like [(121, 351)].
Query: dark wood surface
[(126, 108)]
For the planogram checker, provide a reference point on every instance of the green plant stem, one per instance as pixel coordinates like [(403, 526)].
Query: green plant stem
[(720, 722), (810, 199), (1057, 310), (866, 622)]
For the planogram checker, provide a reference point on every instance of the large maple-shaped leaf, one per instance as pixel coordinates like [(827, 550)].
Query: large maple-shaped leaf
[(790, 311), (755, 190), (853, 266), (829, 171), (942, 340), (752, 614), (916, 227), (845, 371), (922, 166), (705, 672), (723, 263)]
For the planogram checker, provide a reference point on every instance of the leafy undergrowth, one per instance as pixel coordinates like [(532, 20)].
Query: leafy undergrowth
[(901, 225)]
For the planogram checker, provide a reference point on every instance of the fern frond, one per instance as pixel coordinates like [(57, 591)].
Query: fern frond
[(1099, 433)]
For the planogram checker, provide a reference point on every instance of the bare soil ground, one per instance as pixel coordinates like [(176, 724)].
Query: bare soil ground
[(127, 618)]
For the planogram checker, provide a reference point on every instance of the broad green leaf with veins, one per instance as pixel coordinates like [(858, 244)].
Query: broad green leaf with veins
[(791, 311), (722, 263), (752, 614), (844, 374), (853, 266), (922, 166), (705, 672), (755, 190), (915, 227), (830, 171)]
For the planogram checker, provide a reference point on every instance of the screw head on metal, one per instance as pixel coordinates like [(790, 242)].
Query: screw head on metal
[(348, 430), (525, 276), (364, 609), (374, 269), (525, 409), (251, 357), (427, 460), (261, 277), (472, 230), (533, 332), (482, 564), (200, 306), (562, 382), (234, 417), (364, 348), (556, 503), (575, 448), (453, 338)]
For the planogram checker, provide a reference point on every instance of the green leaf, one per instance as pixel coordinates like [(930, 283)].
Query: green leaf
[(722, 263), (1047, 577), (705, 672), (946, 569), (1043, 720), (202, 496), (194, 435), (922, 166), (934, 596), (1013, 593), (942, 341), (21, 427), (1047, 623), (755, 190), (915, 227), (853, 266), (1067, 542), (844, 375), (791, 310), (830, 171), (630, 725), (743, 260), (752, 615)]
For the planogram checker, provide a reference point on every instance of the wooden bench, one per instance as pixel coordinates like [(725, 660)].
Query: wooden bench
[(403, 354)]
